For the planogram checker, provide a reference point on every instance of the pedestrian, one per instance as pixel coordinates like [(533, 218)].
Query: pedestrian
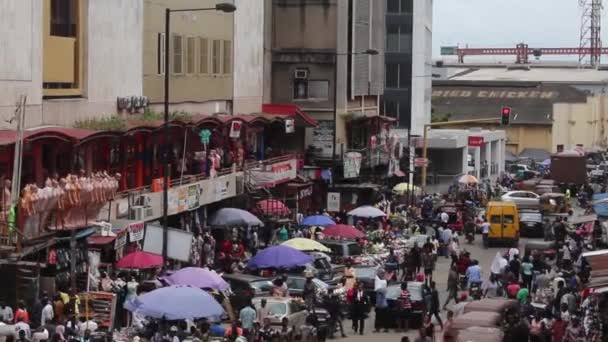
[(452, 286), (380, 287), (434, 307), (7, 313), (527, 272), (558, 331), (428, 265), (309, 292), (547, 230), (515, 266), (523, 294), (47, 313), (473, 273), (449, 335), (263, 311), (574, 332), (247, 316), (485, 231), (537, 329), (359, 309), (428, 328), (492, 288), (335, 313), (404, 307)]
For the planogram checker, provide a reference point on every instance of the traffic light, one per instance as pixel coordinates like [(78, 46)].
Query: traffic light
[(506, 115)]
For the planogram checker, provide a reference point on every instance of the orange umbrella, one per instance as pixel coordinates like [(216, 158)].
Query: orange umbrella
[(273, 207)]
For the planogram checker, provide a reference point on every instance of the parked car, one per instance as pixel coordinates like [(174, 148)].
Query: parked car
[(290, 308), (523, 199), (245, 287), (341, 250), (296, 285), (531, 223)]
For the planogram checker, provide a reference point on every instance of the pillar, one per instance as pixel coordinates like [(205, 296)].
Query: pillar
[(38, 166), (488, 147), (477, 162), (465, 157), (139, 157)]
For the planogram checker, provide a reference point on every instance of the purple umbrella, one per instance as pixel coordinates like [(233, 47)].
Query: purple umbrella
[(175, 303), (202, 278), (279, 257)]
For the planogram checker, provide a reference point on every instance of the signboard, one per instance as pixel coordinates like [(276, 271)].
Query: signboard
[(306, 192), (333, 202), (420, 162), (475, 141), (105, 228), (290, 126), (192, 199), (449, 50), (178, 200), (352, 164), (221, 190), (274, 174), (121, 240), (179, 242), (495, 94), (136, 231), (323, 137), (235, 129)]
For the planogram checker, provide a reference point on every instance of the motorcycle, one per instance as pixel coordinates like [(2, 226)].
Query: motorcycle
[(475, 291)]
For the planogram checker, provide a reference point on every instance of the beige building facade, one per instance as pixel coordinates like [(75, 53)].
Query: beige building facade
[(201, 56)]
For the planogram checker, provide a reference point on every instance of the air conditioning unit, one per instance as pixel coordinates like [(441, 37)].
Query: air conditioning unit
[(142, 200), (148, 211), (137, 213), (300, 74)]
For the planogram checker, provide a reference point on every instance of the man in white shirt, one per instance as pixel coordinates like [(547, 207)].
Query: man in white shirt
[(444, 218), (47, 313), (7, 313), (21, 325), (485, 231)]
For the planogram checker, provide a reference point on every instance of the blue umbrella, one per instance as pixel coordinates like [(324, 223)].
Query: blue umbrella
[(176, 303), (318, 220), (234, 217), (279, 257)]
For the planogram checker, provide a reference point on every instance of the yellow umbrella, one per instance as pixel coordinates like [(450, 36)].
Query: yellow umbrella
[(302, 244), (404, 187)]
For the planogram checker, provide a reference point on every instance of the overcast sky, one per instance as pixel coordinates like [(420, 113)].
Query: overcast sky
[(504, 23)]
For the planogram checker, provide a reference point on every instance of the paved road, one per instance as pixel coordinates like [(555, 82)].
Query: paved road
[(485, 257)]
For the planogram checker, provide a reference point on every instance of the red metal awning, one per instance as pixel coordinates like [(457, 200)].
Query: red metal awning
[(9, 137), (99, 240), (289, 110)]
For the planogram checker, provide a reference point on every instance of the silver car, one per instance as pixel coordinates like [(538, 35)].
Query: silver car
[(523, 199)]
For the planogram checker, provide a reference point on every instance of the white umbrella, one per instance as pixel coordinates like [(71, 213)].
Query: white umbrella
[(366, 211)]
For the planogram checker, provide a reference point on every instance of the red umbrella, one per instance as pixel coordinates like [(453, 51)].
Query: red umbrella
[(273, 207), (343, 231), (140, 260)]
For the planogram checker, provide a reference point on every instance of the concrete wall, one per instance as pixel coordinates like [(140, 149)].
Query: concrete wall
[(583, 123), (21, 59), (212, 25), (448, 162), (312, 26), (112, 58), (421, 64), (249, 23)]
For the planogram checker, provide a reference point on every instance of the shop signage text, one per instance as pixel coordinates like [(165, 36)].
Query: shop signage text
[(306, 192), (136, 231), (475, 141), (501, 94), (333, 202)]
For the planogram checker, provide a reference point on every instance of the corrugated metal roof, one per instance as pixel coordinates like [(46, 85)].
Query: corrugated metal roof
[(8, 137), (534, 74)]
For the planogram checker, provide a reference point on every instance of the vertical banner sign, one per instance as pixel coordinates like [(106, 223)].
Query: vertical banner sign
[(290, 126), (136, 231), (192, 199), (373, 142), (235, 129), (352, 164), (121, 240), (333, 202)]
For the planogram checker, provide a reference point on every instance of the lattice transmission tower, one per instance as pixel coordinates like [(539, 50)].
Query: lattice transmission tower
[(591, 27)]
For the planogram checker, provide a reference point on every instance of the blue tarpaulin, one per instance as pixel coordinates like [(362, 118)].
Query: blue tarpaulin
[(601, 209)]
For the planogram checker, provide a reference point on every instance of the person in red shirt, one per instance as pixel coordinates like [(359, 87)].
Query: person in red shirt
[(512, 289), (21, 314), (559, 329), (227, 247)]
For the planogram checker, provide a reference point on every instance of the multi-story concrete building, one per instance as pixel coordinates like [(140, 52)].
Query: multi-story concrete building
[(315, 46), (71, 58), (408, 57)]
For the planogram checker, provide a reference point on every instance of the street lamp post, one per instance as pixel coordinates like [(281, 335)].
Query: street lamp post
[(371, 52), (221, 7)]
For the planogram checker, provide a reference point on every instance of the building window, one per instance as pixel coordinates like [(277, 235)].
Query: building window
[(300, 89), (392, 75), (203, 67), (160, 53), (178, 54), (398, 76), (227, 60), (391, 108), (318, 89), (190, 55), (216, 56), (64, 16), (398, 38), (399, 6)]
